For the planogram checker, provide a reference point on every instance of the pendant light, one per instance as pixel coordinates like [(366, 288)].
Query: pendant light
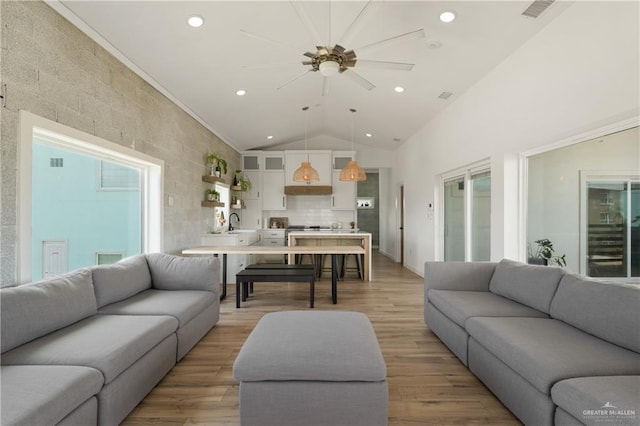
[(352, 172), (306, 173)]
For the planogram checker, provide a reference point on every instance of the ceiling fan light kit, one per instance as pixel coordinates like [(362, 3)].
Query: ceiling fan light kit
[(329, 68)]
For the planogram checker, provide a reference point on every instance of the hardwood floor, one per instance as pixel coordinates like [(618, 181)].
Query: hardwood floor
[(427, 383)]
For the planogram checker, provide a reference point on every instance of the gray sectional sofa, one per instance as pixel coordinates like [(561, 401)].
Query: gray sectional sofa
[(86, 347), (555, 348)]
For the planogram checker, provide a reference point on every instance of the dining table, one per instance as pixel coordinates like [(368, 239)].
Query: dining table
[(291, 251)]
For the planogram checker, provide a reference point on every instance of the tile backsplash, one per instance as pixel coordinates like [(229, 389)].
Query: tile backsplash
[(311, 210)]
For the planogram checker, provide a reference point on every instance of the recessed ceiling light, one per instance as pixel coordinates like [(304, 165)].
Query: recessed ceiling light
[(447, 16), (241, 92), (399, 89), (269, 137), (195, 21), (368, 135)]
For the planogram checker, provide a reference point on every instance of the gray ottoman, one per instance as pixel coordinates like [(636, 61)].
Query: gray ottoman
[(312, 368)]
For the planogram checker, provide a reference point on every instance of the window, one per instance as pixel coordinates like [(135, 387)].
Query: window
[(117, 177), (466, 197), (582, 195), (98, 198)]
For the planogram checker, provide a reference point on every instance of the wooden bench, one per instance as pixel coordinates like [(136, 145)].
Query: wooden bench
[(276, 273), (275, 266)]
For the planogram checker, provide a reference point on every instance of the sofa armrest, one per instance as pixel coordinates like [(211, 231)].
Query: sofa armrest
[(170, 272), (462, 276)]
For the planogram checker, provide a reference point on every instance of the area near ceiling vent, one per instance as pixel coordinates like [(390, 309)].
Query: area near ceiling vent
[(537, 7), (445, 95)]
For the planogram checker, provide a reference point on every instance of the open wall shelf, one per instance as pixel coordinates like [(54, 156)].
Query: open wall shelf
[(212, 179)]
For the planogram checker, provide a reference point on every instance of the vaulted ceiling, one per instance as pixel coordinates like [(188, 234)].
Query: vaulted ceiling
[(258, 47)]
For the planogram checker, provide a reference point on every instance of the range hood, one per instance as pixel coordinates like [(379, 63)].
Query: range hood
[(308, 190)]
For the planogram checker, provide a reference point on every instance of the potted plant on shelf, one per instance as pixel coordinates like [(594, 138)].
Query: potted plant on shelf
[(240, 181), (212, 195), (544, 254), (217, 164)]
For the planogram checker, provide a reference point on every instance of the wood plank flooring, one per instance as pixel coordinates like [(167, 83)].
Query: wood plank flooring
[(427, 383)]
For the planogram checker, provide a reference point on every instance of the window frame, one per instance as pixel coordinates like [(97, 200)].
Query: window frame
[(46, 131)]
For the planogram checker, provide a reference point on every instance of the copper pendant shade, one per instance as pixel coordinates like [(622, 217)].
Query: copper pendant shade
[(352, 172), (306, 173)]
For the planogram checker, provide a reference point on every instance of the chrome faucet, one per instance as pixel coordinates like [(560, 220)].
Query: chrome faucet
[(230, 216)]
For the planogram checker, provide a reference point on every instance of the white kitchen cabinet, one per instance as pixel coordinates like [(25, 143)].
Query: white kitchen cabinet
[(320, 160), (274, 238), (251, 214), (344, 193), (339, 159), (256, 185), (273, 197), (273, 161), (252, 160)]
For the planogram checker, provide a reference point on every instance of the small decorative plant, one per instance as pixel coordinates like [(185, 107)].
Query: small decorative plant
[(212, 195), (217, 163), (240, 181), (545, 252)]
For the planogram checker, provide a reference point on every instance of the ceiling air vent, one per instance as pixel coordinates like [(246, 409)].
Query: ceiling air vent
[(537, 7), (445, 95), (56, 162)]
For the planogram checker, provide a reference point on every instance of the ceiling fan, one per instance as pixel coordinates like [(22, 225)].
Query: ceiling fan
[(330, 60)]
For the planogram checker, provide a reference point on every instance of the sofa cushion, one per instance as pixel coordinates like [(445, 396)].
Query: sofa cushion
[(121, 280), (530, 285), (461, 305), (43, 394), (545, 351), (33, 310), (600, 400), (183, 305), (109, 343), (465, 276), (183, 273), (606, 310)]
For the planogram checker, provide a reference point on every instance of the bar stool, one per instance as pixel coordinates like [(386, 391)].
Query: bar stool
[(359, 261)]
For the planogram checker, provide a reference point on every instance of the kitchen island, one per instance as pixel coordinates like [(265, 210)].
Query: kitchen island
[(337, 237)]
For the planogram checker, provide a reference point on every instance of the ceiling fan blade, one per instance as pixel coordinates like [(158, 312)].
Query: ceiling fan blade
[(308, 24), (400, 66), (358, 22), (413, 35), (326, 86), (269, 40), (358, 79), (299, 76)]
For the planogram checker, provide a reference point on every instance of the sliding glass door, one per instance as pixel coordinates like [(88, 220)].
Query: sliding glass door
[(467, 215)]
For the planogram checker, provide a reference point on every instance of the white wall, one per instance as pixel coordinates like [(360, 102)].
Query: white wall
[(577, 73)]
